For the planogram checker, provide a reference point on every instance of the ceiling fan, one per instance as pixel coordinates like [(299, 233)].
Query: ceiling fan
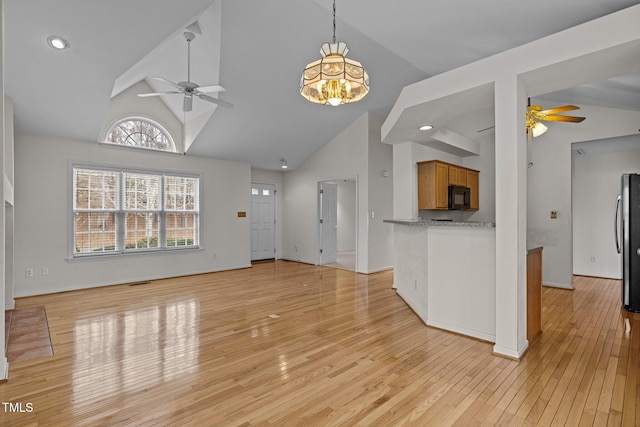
[(536, 115), (190, 89)]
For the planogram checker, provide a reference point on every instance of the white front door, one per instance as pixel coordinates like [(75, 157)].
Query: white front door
[(328, 222), (263, 230)]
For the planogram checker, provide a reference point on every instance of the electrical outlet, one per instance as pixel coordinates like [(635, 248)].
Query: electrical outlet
[(28, 272), (553, 214), (45, 271)]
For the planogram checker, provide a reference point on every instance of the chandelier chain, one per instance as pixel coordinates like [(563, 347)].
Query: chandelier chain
[(334, 21)]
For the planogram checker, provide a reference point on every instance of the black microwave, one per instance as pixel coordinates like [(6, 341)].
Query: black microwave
[(459, 197)]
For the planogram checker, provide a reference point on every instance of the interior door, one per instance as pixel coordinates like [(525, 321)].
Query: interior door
[(263, 232), (328, 222)]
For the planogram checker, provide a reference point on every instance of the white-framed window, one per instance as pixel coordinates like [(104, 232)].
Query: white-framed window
[(140, 132), (118, 211)]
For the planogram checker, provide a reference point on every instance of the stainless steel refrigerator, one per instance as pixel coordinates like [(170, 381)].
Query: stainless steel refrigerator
[(627, 231)]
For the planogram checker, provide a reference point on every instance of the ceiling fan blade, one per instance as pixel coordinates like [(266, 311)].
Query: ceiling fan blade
[(571, 119), (214, 100), (209, 89), (560, 109), (144, 95), (176, 85), (187, 104)]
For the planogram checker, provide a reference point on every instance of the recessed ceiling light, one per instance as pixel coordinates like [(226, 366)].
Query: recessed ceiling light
[(57, 42), (426, 127)]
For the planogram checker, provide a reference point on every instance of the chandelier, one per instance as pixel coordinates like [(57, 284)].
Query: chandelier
[(334, 79)]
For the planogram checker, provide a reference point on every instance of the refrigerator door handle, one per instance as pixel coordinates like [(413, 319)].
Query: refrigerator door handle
[(615, 224)]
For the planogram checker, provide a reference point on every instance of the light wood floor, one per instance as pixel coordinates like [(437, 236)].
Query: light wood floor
[(290, 344)]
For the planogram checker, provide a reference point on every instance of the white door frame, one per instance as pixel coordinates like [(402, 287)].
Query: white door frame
[(318, 257), (275, 211)]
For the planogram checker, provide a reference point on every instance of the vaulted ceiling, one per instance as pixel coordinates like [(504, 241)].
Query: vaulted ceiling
[(257, 50)]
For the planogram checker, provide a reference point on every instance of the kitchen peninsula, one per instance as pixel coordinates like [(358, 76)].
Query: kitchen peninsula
[(445, 271)]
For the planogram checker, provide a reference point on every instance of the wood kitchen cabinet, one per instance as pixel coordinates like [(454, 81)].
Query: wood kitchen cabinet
[(434, 178), (457, 176), (433, 185), (473, 182)]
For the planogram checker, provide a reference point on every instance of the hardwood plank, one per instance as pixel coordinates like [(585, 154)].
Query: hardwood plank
[(343, 349)]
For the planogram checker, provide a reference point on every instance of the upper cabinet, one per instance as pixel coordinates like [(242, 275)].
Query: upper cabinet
[(434, 178), (473, 182), (457, 175)]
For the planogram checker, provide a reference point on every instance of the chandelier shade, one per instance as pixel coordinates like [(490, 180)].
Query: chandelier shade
[(334, 79)]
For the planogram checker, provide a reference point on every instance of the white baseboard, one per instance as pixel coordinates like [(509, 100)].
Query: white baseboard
[(136, 280), (463, 331), (378, 270), (509, 352), (445, 326), (557, 285), (4, 369), (416, 310)]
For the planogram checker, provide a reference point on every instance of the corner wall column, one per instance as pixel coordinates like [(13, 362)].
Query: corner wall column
[(405, 182), (511, 216)]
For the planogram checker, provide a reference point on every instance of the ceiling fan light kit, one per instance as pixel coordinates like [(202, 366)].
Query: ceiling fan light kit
[(188, 88), (535, 116), (334, 79)]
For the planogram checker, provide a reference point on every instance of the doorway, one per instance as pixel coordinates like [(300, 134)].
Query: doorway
[(263, 224), (337, 225)]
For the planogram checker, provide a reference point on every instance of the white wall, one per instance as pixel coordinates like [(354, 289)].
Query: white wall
[(42, 217), (596, 185), (405, 190), (128, 103), (273, 177), (549, 183), (4, 366), (346, 215), (380, 199), (9, 302), (352, 154), (343, 157)]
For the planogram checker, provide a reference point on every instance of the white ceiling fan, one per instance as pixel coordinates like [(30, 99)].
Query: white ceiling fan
[(190, 89)]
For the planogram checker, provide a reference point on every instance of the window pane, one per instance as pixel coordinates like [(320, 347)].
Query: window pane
[(181, 193), (95, 232), (265, 192), (116, 211), (181, 229), (141, 191), (95, 189), (142, 230), (255, 192), (140, 133)]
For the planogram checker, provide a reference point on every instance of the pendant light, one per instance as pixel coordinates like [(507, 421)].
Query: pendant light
[(334, 79)]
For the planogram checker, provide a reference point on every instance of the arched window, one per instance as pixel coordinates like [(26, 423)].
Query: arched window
[(142, 133)]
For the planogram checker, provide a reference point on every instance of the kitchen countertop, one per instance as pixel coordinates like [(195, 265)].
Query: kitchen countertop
[(436, 223)]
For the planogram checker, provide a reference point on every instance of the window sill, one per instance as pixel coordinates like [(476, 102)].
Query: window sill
[(96, 257), (138, 149)]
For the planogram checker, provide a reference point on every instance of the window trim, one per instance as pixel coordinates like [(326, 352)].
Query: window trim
[(174, 147), (121, 213)]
